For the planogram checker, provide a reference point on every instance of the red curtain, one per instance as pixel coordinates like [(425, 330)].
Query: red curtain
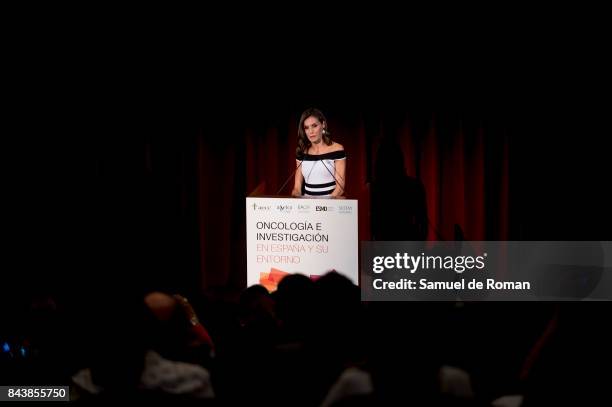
[(463, 163)]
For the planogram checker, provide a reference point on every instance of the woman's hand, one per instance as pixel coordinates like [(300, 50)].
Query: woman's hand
[(296, 193)]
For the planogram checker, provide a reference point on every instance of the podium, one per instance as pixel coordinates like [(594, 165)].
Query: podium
[(300, 235)]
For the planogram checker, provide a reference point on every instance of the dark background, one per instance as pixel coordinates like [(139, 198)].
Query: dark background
[(115, 144), (126, 170), (126, 145), (147, 180)]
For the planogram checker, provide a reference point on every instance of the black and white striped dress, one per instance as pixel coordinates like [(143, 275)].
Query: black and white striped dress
[(319, 173)]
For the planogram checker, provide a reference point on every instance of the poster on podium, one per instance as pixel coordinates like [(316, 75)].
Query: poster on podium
[(305, 236)]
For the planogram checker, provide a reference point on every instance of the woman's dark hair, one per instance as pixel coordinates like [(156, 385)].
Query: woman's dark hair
[(303, 144)]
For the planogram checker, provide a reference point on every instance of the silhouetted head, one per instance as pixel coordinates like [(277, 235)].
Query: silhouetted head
[(168, 327), (338, 301), (256, 307), (334, 288), (161, 305), (294, 301)]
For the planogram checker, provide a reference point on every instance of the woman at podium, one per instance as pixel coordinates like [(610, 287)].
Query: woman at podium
[(320, 162)]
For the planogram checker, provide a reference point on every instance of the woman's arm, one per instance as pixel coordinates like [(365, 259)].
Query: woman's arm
[(299, 179), (340, 175)]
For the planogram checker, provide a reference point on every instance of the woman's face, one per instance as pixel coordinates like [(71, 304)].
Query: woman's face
[(313, 129)]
